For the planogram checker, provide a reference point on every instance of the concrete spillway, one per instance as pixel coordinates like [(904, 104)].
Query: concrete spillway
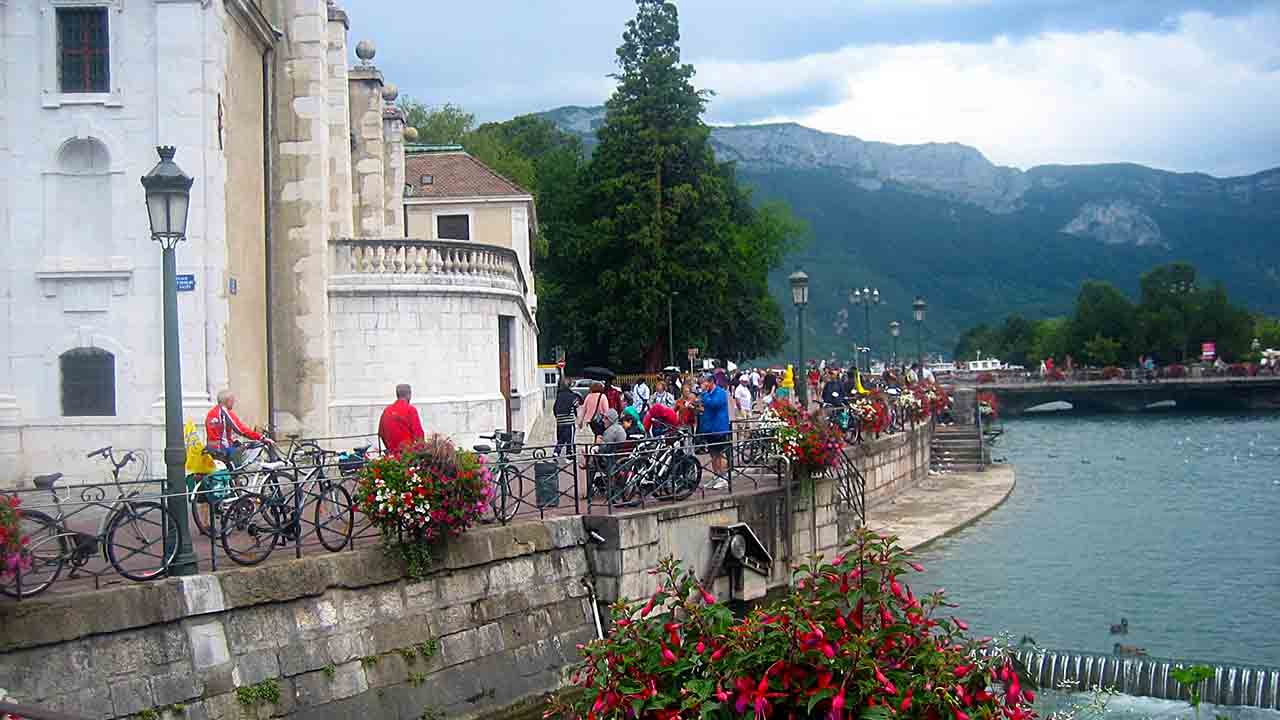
[(1152, 677)]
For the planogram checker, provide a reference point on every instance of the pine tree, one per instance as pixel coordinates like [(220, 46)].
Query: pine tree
[(661, 216)]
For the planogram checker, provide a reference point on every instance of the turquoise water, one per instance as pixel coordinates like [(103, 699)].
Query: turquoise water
[(1171, 521)]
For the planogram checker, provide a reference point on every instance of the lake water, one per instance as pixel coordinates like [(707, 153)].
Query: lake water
[(1171, 521)]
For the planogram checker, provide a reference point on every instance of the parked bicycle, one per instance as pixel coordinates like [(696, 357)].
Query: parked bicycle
[(139, 538), (243, 472), (256, 522), (663, 467), (506, 473)]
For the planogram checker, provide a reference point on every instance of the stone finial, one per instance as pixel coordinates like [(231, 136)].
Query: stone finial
[(365, 50), (390, 92), (410, 133)]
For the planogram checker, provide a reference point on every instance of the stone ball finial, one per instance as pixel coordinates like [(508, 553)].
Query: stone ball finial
[(410, 133), (365, 50), (390, 92)]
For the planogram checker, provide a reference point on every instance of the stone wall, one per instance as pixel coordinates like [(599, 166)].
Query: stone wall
[(341, 636), (636, 539), (894, 463)]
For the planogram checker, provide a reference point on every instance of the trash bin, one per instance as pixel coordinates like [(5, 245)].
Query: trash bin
[(546, 480)]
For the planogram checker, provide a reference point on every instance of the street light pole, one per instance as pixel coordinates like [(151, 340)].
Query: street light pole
[(671, 333), (168, 192), (917, 309), (866, 297), (895, 328), (800, 297)]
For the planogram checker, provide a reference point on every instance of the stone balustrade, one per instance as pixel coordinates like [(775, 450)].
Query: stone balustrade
[(428, 261)]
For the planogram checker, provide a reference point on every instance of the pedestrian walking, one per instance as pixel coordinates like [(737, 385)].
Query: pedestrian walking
[(566, 412), (593, 407), (400, 427), (713, 425), (663, 396)]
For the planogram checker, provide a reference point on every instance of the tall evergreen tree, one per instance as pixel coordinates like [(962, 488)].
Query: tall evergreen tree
[(661, 216)]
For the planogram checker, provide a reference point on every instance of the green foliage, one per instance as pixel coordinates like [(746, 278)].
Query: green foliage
[(1173, 317), (428, 649), (416, 678), (657, 215), (369, 661), (329, 671), (446, 124), (1190, 678), (267, 691), (431, 714), (409, 654)]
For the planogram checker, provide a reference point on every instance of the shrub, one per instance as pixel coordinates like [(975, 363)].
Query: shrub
[(1174, 371), (988, 405), (1111, 372), (851, 640), (424, 495), (1055, 375)]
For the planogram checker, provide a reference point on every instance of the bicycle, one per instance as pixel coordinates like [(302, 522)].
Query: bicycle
[(505, 503), (662, 466), (126, 536), (256, 522), (211, 494)]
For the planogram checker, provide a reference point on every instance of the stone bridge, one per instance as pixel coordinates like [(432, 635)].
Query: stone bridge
[(1206, 394)]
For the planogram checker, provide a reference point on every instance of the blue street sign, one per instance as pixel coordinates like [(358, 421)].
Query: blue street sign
[(186, 283)]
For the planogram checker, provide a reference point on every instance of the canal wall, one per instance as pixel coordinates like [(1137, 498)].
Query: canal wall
[(334, 636), (348, 635), (630, 543)]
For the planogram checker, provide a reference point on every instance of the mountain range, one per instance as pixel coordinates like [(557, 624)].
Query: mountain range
[(980, 241)]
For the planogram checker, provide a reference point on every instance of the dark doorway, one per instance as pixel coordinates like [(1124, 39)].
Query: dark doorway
[(506, 328)]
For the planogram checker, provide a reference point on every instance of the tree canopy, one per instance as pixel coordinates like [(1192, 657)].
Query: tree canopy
[(1173, 316)]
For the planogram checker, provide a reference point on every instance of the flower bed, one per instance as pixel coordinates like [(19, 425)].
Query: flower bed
[(1174, 371), (423, 496), (851, 641), (1112, 372), (988, 405)]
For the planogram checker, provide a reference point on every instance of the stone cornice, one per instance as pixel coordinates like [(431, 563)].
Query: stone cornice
[(250, 15)]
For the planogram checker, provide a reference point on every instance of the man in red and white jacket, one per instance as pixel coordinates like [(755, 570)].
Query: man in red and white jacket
[(221, 426)]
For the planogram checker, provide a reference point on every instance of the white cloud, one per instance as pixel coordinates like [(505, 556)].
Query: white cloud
[(1204, 94)]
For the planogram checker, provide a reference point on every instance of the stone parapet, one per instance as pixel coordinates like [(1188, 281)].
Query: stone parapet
[(342, 635)]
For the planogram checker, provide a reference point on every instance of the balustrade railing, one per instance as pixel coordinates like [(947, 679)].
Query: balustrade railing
[(449, 262)]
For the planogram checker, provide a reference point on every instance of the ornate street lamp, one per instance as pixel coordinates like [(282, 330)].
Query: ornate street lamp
[(168, 193), (895, 329), (917, 309), (800, 297), (866, 297)]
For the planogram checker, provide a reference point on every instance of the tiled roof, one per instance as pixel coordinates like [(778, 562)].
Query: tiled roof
[(454, 173)]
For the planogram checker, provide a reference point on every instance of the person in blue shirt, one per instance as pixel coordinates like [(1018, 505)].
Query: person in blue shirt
[(714, 424)]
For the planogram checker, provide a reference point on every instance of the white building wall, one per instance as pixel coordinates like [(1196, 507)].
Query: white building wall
[(98, 285), (443, 344)]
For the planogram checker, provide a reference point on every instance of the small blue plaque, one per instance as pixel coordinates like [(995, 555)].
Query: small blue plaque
[(186, 283)]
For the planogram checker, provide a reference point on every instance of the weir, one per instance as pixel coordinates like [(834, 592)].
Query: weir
[(1253, 686)]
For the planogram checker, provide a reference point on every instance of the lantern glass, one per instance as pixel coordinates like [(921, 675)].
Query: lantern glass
[(799, 288)]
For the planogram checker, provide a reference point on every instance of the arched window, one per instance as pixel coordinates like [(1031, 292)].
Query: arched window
[(81, 204), (88, 382)]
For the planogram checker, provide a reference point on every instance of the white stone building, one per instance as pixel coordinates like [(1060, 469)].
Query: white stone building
[(295, 150)]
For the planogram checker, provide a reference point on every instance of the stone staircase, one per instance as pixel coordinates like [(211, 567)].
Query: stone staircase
[(956, 448)]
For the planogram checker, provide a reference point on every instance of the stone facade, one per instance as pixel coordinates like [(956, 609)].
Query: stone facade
[(894, 463), (277, 183), (341, 635)]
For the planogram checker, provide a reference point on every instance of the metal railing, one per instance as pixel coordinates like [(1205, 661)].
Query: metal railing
[(303, 500)]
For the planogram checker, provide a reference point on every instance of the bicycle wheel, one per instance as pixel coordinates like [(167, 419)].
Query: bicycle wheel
[(248, 533), (684, 477), (335, 517), (506, 499), (47, 550), (142, 539)]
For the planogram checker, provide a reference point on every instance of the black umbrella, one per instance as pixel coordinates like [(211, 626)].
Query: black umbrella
[(598, 373)]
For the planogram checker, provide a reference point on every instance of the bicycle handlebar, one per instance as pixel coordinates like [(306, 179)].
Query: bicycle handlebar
[(99, 451)]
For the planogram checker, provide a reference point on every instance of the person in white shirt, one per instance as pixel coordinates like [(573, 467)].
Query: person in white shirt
[(755, 382), (926, 374), (742, 397), (640, 397)]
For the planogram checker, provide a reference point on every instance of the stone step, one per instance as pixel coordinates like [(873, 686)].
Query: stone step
[(958, 467)]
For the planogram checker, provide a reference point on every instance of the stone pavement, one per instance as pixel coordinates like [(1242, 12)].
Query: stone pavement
[(942, 504)]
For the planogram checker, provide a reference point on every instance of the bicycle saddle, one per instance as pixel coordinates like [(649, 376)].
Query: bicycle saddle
[(482, 448), (361, 450), (45, 482), (269, 465)]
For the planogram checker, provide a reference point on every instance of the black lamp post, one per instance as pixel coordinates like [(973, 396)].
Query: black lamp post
[(917, 309), (866, 297), (895, 329), (168, 191), (800, 296)]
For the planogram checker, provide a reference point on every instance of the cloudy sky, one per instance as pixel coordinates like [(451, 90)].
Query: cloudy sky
[(1178, 84)]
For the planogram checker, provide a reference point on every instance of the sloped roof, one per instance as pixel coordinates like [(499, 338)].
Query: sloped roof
[(454, 173)]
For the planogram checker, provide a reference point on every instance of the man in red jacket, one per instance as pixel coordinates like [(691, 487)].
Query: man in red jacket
[(400, 425), (221, 426)]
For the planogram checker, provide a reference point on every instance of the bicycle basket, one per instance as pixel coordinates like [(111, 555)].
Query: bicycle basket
[(349, 463), (214, 488), (512, 442)]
